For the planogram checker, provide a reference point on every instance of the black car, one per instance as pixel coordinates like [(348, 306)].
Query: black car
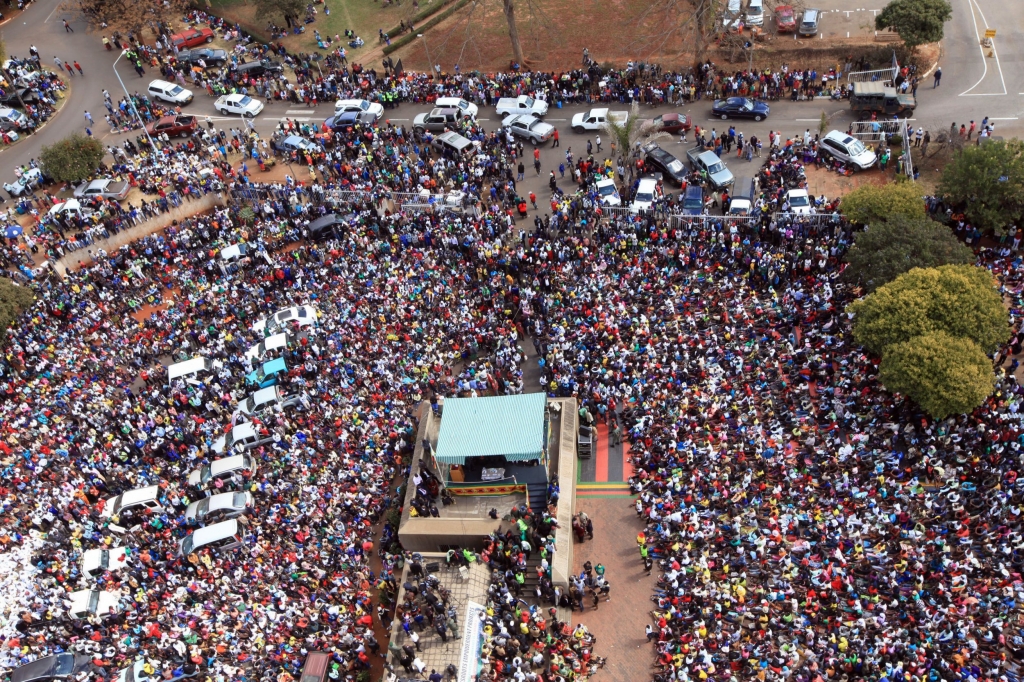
[(348, 119), (256, 69), (672, 168), (326, 227), (740, 107), (57, 667), (210, 56), (9, 98)]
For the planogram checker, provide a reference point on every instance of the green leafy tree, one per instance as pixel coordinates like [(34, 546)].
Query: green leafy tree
[(626, 135), (870, 204), (72, 159), (916, 21), (988, 182), (960, 300), (13, 300), (888, 248), (942, 373), (286, 9)]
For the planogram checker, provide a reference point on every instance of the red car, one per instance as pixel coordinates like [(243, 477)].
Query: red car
[(192, 37), (785, 19), (173, 125), (671, 123)]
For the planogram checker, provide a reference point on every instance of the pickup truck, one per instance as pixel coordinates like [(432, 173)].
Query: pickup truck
[(172, 125), (521, 105), (104, 187), (595, 119), (708, 162), (877, 98)]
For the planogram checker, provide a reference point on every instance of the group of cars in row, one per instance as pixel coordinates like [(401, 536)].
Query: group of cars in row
[(738, 15)]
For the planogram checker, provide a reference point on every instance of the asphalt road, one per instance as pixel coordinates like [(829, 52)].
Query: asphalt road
[(973, 86)]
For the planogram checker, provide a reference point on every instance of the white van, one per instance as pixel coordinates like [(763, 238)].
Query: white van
[(265, 399), (189, 368), (467, 108), (244, 435), (127, 504), (271, 343), (85, 603), (755, 13), (96, 562), (219, 537), (303, 315), (12, 119), (221, 469)]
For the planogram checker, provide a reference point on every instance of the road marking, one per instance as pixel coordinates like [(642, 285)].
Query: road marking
[(1007, 118), (558, 119), (984, 60), (297, 120), (804, 120), (297, 111), (398, 119), (51, 13)]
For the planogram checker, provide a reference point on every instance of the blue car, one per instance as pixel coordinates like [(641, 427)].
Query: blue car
[(740, 107), (348, 119), (265, 376)]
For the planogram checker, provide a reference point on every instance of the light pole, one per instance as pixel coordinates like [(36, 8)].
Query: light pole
[(425, 49), (132, 103)]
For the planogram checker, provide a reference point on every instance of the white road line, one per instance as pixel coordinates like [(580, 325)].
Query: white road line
[(1007, 118), (52, 11), (558, 119), (398, 119), (297, 120), (994, 53), (984, 60), (297, 111)]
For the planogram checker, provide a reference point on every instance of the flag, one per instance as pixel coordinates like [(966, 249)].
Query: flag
[(398, 68)]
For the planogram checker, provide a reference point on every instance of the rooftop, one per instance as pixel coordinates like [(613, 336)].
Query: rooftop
[(510, 426)]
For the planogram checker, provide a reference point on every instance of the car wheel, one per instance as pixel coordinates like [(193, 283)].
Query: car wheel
[(758, 118), (209, 39), (418, 130), (223, 112), (578, 130), (533, 141), (725, 116), (248, 114)]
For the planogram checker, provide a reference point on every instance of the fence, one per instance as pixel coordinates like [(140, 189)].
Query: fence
[(877, 131), (703, 220)]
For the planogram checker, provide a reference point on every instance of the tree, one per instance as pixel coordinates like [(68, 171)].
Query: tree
[(960, 300), (942, 373), (127, 16), (627, 134), (888, 248), (14, 299), (72, 159), (870, 204), (987, 181), (691, 24), (509, 8), (289, 10), (916, 21)]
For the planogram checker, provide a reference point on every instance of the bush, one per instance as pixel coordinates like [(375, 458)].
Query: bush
[(870, 204), (73, 158), (14, 299), (896, 140), (408, 38)]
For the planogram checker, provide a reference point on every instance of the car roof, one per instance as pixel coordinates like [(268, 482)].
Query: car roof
[(161, 83), (214, 532), (647, 182), (444, 110), (44, 667), (223, 500), (839, 136), (219, 466), (150, 492)]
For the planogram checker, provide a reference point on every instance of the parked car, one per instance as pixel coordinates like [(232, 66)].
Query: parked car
[(595, 119), (693, 200), (809, 22), (521, 105), (799, 202), (192, 37), (31, 179), (529, 127), (467, 108), (785, 19), (56, 668), (438, 120), (358, 105), (670, 123), (647, 192), (9, 98), (708, 162), (608, 193), (141, 671), (847, 149), (207, 55), (265, 399), (293, 143), (219, 537), (221, 469), (219, 507), (453, 142), (348, 119), (285, 319), (173, 125), (96, 562), (669, 165), (104, 187), (266, 374), (171, 93), (872, 97), (740, 107), (240, 438), (255, 69), (99, 603), (326, 226), (12, 119), (240, 105), (755, 12)]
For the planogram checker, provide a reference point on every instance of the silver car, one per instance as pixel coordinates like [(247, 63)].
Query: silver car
[(219, 507), (528, 127), (847, 149)]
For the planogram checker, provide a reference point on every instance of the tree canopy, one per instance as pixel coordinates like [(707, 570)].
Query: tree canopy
[(870, 204), (960, 300), (268, 9), (13, 300), (987, 182), (72, 159), (888, 248), (942, 373), (916, 21)]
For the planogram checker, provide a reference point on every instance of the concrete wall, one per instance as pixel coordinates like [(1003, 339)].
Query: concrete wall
[(561, 565)]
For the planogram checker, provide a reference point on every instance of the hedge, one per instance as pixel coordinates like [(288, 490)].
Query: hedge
[(406, 39), (420, 16)]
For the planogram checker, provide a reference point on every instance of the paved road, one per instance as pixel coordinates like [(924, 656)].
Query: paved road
[(973, 86)]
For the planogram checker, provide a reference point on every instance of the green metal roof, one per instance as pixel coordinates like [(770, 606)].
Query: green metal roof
[(509, 425)]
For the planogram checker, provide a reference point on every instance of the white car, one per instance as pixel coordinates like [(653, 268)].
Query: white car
[(608, 193), (799, 202), (595, 119), (521, 105), (29, 180), (358, 105), (847, 149), (467, 108), (242, 105), (647, 192), (529, 127), (171, 93)]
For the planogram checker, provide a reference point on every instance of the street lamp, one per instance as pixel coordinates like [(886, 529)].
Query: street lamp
[(430, 62), (132, 103)]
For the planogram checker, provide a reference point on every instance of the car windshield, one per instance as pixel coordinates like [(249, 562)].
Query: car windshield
[(607, 190), (856, 147), (657, 120), (104, 559), (692, 203), (239, 500), (463, 104), (244, 101), (530, 102), (748, 105), (205, 473), (203, 507), (799, 201), (676, 166), (645, 197), (177, 89), (94, 601), (364, 105), (187, 544), (249, 404), (716, 168)]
